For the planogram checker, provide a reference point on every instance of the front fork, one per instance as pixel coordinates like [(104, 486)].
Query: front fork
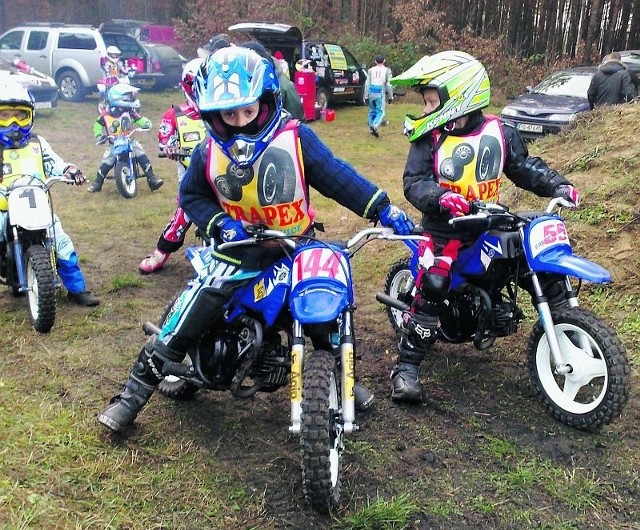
[(544, 312), (347, 375)]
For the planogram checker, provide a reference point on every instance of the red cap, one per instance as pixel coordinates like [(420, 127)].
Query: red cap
[(278, 55)]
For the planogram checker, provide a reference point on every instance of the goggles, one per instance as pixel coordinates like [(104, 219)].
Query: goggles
[(22, 116)]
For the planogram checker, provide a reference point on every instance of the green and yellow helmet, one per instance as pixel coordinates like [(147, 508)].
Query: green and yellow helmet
[(461, 81)]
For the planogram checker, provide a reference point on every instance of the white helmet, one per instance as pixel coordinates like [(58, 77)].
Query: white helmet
[(16, 131), (113, 52)]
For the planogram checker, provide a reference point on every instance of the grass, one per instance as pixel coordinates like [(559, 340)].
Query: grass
[(479, 453)]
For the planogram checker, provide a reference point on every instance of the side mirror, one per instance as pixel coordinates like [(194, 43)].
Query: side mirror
[(529, 88)]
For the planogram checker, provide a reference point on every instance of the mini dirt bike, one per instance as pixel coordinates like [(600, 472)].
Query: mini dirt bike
[(577, 363), (27, 249), (127, 168), (258, 345)]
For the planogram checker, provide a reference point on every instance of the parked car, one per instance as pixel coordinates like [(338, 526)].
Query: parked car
[(42, 87), (631, 58), (552, 105), (339, 76), (70, 54), (158, 66)]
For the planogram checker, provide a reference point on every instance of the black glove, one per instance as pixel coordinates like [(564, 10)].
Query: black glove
[(73, 172)]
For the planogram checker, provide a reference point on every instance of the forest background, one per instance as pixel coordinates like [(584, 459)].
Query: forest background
[(519, 41)]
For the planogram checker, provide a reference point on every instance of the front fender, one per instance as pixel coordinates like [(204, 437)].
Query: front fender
[(568, 264)]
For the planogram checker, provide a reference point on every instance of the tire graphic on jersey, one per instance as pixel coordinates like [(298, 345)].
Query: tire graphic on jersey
[(276, 178), (229, 187), (243, 175), (453, 168), (489, 159)]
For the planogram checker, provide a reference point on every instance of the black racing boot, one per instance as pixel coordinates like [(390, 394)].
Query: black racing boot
[(154, 182), (145, 375), (418, 334), (406, 382), (124, 407), (96, 185)]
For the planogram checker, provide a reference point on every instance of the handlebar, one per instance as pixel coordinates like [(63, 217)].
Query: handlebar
[(106, 137), (261, 234), (33, 180), (181, 154), (483, 211)]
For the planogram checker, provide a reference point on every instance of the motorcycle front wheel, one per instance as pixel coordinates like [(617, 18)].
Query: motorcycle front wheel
[(596, 389), (125, 181), (321, 435), (41, 292), (398, 284)]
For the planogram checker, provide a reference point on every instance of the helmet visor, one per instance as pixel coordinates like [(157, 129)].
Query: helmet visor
[(20, 115)]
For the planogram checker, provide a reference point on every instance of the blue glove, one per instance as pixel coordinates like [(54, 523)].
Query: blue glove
[(394, 217), (231, 230)]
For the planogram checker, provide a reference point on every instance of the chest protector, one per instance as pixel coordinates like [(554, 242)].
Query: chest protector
[(118, 126), (271, 191), (190, 133), (25, 160), (472, 164)]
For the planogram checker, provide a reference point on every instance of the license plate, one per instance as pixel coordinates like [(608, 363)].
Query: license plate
[(42, 105), (529, 127)]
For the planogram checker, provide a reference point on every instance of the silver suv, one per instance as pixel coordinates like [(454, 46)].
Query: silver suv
[(68, 53)]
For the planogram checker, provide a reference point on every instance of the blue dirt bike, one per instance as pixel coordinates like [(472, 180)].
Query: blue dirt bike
[(577, 363), (258, 345), (127, 169)]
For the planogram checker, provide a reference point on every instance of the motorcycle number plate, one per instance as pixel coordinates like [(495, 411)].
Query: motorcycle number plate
[(547, 234), (29, 208), (320, 263)]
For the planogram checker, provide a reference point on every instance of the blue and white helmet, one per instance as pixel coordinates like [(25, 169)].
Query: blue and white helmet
[(16, 131), (124, 96), (235, 77)]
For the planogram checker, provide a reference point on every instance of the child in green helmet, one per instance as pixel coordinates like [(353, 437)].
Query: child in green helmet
[(457, 155)]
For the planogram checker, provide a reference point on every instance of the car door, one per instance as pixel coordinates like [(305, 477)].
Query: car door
[(37, 50), (11, 43)]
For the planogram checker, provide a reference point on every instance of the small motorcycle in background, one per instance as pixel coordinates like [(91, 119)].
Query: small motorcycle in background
[(127, 168), (577, 364), (27, 249)]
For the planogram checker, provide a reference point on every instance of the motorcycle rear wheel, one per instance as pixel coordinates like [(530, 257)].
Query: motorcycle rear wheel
[(596, 390), (41, 284), (171, 386), (127, 186), (321, 436), (399, 285)]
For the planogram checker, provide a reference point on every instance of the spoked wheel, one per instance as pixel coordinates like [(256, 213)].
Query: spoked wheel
[(399, 285), (126, 184), (596, 389), (171, 386), (322, 436), (41, 285)]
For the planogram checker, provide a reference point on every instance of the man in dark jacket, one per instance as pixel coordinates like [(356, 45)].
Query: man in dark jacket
[(611, 84)]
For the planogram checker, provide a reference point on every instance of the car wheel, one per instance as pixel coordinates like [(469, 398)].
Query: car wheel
[(322, 98), (70, 86)]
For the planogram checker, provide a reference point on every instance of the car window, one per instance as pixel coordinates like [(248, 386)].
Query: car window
[(77, 41), (166, 53), (352, 64), (564, 84), (11, 41), (37, 40)]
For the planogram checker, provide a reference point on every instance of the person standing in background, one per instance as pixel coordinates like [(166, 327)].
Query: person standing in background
[(611, 84), (375, 91)]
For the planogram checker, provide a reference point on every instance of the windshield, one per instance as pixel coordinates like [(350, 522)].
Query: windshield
[(565, 84)]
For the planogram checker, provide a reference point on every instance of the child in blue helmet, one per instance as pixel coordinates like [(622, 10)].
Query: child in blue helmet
[(238, 95), (123, 101), (22, 151)]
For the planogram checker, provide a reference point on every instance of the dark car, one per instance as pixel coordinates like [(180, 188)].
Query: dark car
[(339, 76), (552, 105), (158, 66)]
